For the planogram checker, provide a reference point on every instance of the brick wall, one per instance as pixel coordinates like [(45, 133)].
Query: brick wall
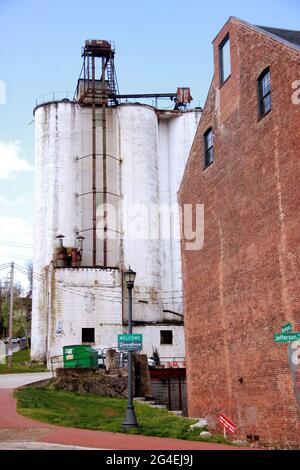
[(244, 284)]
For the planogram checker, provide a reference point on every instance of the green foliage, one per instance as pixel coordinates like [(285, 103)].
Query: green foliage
[(155, 356), (22, 309), (20, 324), (4, 316), (21, 363), (105, 414)]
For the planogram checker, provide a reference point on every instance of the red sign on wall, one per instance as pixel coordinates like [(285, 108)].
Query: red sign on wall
[(227, 423)]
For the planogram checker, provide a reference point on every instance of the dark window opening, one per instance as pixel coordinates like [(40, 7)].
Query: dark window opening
[(88, 335), (208, 148), (224, 59), (166, 337), (264, 93)]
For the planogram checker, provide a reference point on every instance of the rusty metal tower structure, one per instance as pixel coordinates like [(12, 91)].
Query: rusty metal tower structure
[(97, 86)]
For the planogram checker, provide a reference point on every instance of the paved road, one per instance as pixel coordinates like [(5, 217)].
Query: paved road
[(32, 445), (18, 380), (16, 428)]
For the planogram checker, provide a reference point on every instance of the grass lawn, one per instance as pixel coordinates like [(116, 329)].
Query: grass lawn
[(101, 413), (20, 363)]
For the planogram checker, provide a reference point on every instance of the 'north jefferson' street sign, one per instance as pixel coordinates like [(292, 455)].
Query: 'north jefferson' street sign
[(286, 338), (287, 328), (130, 342)]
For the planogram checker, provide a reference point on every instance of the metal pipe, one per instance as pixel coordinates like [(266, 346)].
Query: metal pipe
[(104, 94), (94, 164), (148, 95), (180, 393), (174, 313), (169, 394)]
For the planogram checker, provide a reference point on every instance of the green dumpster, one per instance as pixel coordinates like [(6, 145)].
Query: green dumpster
[(80, 356)]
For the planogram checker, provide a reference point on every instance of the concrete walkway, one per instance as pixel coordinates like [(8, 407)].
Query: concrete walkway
[(15, 429), (18, 380)]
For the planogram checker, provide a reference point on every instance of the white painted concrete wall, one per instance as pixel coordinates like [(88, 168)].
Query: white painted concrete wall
[(84, 298), (149, 154), (151, 340), (176, 134)]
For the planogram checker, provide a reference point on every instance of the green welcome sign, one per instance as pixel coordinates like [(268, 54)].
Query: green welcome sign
[(130, 342)]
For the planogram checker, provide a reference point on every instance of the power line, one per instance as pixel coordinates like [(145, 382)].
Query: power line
[(4, 266), (107, 297), (21, 245), (14, 256), (70, 290)]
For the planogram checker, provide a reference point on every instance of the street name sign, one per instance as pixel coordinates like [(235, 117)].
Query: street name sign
[(130, 342), (287, 328), (227, 423), (286, 338)]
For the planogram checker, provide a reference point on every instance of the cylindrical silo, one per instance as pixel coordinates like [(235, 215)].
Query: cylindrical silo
[(138, 130), (56, 179), (181, 134)]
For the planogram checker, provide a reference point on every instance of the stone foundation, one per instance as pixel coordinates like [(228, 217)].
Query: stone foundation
[(113, 385)]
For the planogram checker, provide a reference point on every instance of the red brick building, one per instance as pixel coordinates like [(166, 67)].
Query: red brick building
[(243, 285)]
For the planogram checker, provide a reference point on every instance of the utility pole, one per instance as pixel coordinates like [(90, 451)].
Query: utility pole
[(11, 313)]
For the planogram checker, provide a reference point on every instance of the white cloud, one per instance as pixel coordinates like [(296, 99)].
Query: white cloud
[(11, 161), (15, 239), (3, 201), (6, 202)]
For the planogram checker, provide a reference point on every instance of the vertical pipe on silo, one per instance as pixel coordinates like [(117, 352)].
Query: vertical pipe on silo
[(94, 150), (105, 241)]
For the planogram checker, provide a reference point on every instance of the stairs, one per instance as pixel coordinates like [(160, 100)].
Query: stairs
[(153, 404), (111, 78)]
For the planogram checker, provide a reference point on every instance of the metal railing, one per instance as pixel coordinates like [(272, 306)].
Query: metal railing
[(173, 361), (58, 361), (54, 96)]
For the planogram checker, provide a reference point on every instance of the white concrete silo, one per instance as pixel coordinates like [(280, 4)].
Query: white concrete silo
[(138, 130), (56, 212), (176, 134)]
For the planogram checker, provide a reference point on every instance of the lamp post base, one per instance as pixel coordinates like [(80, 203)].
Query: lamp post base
[(130, 420)]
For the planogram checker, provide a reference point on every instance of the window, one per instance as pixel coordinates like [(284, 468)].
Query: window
[(224, 57), (166, 337), (88, 335), (208, 148), (264, 93)]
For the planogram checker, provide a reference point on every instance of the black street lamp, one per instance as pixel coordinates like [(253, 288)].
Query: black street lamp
[(130, 420)]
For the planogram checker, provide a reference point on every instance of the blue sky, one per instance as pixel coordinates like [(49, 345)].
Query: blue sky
[(160, 44)]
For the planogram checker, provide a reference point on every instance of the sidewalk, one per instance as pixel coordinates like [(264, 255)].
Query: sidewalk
[(16, 428), (20, 379)]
